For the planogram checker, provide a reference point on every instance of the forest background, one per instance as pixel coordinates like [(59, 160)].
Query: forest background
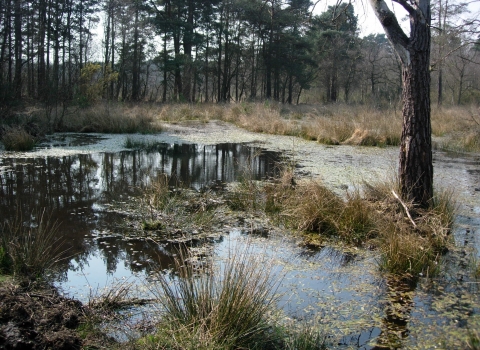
[(63, 53)]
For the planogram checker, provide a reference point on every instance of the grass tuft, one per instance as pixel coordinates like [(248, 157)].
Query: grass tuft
[(30, 252), (113, 298), (224, 307), (17, 139), (305, 338), (407, 250), (313, 208)]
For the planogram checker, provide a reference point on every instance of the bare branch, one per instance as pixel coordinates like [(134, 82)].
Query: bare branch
[(406, 6), (404, 207), (432, 66), (392, 28)]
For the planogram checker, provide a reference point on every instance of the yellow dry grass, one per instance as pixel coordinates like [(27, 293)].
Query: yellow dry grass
[(454, 128)]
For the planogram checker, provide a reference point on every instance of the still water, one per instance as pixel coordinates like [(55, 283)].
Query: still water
[(339, 291), (76, 189)]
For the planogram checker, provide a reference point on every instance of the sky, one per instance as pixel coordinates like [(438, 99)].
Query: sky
[(368, 22)]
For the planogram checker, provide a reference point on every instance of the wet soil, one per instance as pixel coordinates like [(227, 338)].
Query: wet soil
[(39, 318)]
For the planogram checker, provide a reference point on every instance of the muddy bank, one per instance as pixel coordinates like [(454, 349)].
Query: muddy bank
[(40, 319)]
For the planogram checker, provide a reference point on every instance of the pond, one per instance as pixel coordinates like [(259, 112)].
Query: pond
[(340, 290)]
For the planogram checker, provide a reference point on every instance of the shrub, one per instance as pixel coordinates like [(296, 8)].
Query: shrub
[(17, 139)]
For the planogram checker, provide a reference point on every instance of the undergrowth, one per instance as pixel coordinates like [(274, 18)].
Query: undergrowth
[(30, 251), (17, 139), (224, 307)]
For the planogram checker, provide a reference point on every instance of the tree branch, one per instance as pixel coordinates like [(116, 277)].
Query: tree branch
[(432, 66), (406, 6), (392, 28), (404, 207)]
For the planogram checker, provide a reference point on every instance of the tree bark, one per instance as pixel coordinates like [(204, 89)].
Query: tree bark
[(17, 82), (415, 160)]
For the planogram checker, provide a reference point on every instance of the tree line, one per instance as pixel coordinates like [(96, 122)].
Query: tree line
[(78, 51)]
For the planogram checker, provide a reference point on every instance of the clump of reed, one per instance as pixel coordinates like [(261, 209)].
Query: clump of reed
[(17, 139), (375, 217), (112, 118), (30, 251), (411, 246), (304, 338), (262, 118), (158, 195), (224, 307), (311, 207)]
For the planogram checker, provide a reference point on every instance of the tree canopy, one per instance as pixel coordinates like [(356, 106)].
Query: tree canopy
[(216, 51)]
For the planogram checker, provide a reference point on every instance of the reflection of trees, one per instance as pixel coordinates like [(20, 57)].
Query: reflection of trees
[(399, 303), (69, 187)]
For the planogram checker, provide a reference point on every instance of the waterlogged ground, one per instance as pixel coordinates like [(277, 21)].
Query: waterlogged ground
[(91, 182)]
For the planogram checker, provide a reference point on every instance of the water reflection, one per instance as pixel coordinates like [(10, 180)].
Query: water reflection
[(76, 190)]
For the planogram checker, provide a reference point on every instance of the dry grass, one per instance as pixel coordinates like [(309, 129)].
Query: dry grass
[(333, 124), (407, 250), (30, 252), (453, 119), (225, 307), (460, 126), (374, 218), (312, 208), (17, 139), (111, 118)]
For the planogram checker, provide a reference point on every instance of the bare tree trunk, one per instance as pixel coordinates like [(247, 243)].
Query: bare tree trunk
[(415, 167), (136, 58), (17, 82), (415, 160)]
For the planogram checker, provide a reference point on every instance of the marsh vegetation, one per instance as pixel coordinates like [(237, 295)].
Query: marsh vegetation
[(163, 209), (453, 128)]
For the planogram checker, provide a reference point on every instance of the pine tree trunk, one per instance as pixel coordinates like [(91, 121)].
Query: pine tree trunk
[(415, 161), (415, 165)]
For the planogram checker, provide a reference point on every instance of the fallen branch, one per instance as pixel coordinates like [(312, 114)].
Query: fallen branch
[(404, 207)]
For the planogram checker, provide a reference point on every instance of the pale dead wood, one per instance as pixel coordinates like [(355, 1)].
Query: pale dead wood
[(404, 207)]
